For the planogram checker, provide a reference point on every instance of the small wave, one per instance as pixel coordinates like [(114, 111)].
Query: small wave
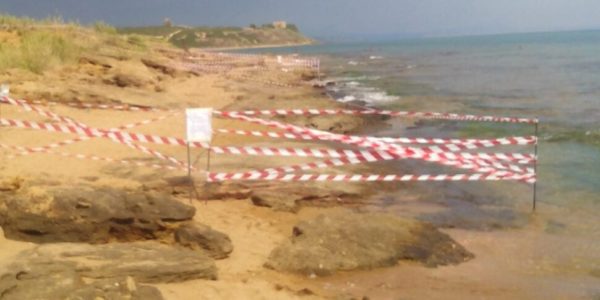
[(347, 98), (380, 97), (351, 91)]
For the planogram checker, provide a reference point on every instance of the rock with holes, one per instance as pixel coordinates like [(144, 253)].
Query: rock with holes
[(345, 240), (58, 213)]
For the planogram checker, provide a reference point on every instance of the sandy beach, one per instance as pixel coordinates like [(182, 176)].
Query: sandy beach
[(528, 262)]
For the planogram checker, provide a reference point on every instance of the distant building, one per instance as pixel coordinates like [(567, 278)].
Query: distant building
[(200, 35), (280, 24)]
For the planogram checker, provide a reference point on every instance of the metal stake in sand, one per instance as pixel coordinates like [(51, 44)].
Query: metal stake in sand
[(199, 129), (189, 169), (535, 165), (4, 92)]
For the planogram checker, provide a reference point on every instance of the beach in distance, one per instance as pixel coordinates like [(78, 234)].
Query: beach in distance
[(431, 168)]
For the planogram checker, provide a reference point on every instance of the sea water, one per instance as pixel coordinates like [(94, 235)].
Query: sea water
[(551, 76)]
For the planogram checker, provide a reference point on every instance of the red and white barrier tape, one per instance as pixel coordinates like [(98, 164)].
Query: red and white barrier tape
[(84, 138), (467, 143), (161, 140), (115, 138), (426, 115), (27, 150), (362, 141), (481, 162), (213, 177), (27, 107), (81, 105)]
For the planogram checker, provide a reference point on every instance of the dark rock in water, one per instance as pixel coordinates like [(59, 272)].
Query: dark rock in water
[(198, 236), (291, 199), (360, 103), (56, 271), (88, 214), (473, 217), (350, 241)]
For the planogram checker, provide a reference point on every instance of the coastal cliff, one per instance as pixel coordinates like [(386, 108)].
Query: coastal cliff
[(276, 34)]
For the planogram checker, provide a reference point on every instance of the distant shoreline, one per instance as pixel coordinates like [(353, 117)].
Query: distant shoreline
[(256, 47)]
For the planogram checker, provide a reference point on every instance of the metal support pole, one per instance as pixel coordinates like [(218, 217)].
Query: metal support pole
[(207, 183), (319, 71), (208, 161), (4, 92), (189, 167), (535, 163)]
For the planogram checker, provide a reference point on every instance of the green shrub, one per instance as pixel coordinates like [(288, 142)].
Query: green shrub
[(137, 41), (105, 28), (8, 56), (12, 21), (37, 51)]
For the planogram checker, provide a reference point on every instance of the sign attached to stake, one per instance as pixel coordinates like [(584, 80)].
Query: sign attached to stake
[(4, 90), (199, 124)]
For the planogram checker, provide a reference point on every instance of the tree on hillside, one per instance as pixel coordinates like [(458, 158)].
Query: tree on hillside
[(167, 22)]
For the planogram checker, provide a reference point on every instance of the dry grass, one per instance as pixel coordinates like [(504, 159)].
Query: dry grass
[(41, 45)]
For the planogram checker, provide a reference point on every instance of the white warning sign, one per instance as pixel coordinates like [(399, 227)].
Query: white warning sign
[(199, 124)]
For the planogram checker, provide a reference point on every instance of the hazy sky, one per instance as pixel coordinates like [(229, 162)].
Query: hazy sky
[(331, 18)]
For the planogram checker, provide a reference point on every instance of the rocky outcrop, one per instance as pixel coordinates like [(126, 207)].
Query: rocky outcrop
[(197, 236), (10, 184), (349, 241), (163, 68), (126, 80), (45, 214), (292, 198), (63, 283), (276, 200), (56, 271)]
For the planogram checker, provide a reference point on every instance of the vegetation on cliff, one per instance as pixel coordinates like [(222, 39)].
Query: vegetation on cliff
[(38, 45), (206, 37)]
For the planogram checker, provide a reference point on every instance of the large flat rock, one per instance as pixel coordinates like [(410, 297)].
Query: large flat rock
[(45, 214), (145, 261), (56, 271), (345, 240)]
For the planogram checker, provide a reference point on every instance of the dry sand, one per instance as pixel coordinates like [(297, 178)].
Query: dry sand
[(506, 264)]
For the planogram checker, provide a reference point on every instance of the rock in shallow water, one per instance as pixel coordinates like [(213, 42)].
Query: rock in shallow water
[(349, 241)]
